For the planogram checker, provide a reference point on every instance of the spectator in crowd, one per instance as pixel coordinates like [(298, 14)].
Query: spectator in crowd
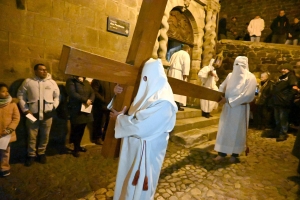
[(280, 27), (38, 99), (145, 134), (255, 28), (222, 28), (239, 88), (293, 32), (263, 109), (104, 92), (246, 34), (180, 69), (282, 96), (234, 32), (9, 113), (81, 96), (296, 148), (209, 78)]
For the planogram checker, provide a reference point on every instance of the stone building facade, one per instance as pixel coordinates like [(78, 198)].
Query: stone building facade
[(245, 10), (35, 32), (262, 57)]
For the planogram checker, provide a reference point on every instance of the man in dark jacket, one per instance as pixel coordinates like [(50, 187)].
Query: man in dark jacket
[(279, 27), (293, 32), (282, 96), (104, 92), (222, 30), (263, 101)]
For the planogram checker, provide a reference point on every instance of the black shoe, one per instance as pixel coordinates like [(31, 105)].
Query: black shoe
[(5, 173), (29, 161), (76, 154), (82, 149), (281, 138), (43, 159), (180, 109)]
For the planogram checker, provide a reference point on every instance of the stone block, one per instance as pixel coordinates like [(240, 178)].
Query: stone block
[(251, 55), (16, 21), (71, 12), (41, 7), (50, 28), (111, 8), (84, 36), (57, 10), (4, 42), (53, 49), (26, 46), (101, 21), (86, 17), (261, 54)]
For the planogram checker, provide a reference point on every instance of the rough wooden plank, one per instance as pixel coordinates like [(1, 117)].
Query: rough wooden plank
[(81, 63), (145, 33), (192, 90)]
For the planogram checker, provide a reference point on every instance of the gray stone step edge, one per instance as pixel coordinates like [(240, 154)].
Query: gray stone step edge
[(195, 137)]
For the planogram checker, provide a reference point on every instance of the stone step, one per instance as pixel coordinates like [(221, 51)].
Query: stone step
[(191, 113), (195, 123), (207, 147), (194, 137)]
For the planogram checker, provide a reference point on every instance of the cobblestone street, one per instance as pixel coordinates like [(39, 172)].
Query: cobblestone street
[(268, 172)]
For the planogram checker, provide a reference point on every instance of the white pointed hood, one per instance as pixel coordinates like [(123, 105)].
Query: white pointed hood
[(154, 89), (237, 81)]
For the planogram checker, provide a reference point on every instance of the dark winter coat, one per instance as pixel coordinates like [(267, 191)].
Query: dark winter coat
[(283, 92), (265, 93), (79, 93), (104, 92), (222, 26), (280, 25), (294, 30)]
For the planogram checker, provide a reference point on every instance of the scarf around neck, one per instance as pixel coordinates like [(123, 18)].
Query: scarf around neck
[(5, 102)]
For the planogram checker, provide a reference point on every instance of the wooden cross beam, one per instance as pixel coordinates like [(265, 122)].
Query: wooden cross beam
[(81, 63)]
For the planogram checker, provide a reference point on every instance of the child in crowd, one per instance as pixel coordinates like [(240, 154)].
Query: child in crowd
[(9, 120)]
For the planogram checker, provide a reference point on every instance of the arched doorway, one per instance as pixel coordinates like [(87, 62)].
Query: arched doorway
[(180, 32)]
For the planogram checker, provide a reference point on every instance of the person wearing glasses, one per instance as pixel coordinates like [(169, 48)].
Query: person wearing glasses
[(38, 99)]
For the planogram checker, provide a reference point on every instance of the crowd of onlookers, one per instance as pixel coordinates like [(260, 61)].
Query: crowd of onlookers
[(277, 104), (39, 99), (283, 32)]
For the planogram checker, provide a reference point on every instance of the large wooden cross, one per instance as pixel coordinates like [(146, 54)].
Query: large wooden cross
[(81, 63)]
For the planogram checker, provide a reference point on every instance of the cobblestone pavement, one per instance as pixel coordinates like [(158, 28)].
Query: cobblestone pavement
[(268, 172)]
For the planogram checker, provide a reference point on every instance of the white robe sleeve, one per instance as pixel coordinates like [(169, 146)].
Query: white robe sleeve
[(247, 95), (203, 73), (186, 64), (222, 87), (153, 120)]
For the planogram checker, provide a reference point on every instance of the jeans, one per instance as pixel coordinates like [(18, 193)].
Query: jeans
[(255, 39), (38, 131), (294, 42), (4, 159), (281, 119), (279, 39)]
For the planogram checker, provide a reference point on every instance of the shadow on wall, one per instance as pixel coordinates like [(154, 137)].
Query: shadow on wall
[(59, 129)]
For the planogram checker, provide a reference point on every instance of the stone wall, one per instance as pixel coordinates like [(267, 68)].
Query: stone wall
[(37, 33), (262, 56), (245, 10)]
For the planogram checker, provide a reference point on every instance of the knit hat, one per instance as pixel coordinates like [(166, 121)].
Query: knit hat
[(286, 66)]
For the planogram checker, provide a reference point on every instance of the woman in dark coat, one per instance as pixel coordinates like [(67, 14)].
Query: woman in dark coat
[(80, 94)]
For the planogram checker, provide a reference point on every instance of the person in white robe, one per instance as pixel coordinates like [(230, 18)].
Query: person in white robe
[(145, 134), (180, 69), (239, 88), (209, 78)]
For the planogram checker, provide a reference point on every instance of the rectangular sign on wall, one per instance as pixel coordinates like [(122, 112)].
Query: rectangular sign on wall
[(118, 26)]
